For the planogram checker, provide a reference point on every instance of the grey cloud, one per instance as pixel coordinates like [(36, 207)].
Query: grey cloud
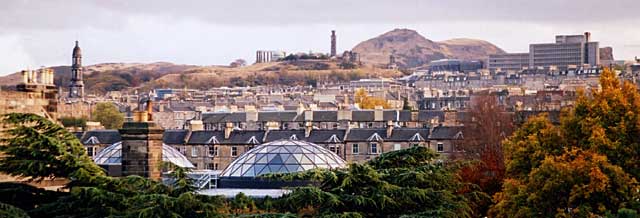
[(22, 14)]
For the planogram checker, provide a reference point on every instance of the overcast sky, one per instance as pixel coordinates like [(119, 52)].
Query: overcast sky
[(212, 32)]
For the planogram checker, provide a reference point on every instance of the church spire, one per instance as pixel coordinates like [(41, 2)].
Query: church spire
[(76, 88)]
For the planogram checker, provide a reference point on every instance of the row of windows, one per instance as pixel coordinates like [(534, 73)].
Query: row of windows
[(213, 151)]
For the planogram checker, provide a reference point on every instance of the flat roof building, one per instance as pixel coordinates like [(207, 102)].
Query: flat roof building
[(566, 51), (508, 62)]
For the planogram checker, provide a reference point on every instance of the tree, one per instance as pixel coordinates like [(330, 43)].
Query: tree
[(586, 166), (404, 183), (74, 122), (406, 105), (108, 115), (37, 148), (238, 63), (368, 102), (486, 126)]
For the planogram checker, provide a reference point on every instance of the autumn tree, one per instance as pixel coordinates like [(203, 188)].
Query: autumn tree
[(585, 167), (108, 115), (365, 101), (486, 125)]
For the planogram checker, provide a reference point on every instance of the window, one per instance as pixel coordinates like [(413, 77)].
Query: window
[(195, 165), (211, 151), (234, 151), (194, 151), (396, 147), (374, 148), (90, 150), (355, 148), (210, 166), (440, 147), (215, 166), (215, 151), (334, 149)]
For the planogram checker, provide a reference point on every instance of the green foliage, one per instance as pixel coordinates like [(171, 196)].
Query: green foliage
[(242, 204), (405, 182), (73, 122), (37, 148), (108, 115), (9, 211), (182, 182)]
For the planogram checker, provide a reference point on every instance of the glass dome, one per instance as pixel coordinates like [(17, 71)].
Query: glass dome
[(282, 156), (112, 155)]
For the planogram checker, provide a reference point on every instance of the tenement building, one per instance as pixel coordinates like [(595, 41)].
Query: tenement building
[(216, 149)]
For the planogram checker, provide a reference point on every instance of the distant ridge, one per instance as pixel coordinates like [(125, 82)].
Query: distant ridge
[(414, 50)]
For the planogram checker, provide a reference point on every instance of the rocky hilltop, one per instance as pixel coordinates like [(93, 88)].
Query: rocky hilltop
[(414, 50)]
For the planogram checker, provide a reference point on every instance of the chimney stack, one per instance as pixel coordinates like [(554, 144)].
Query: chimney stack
[(149, 109), (308, 127), (587, 36), (389, 128), (227, 130)]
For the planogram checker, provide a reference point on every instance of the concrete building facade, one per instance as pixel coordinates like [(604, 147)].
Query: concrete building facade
[(567, 51)]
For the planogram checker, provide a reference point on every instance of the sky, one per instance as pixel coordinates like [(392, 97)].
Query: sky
[(36, 33)]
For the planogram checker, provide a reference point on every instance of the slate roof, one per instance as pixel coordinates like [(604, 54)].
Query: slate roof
[(405, 116), (445, 132), (78, 135), (235, 117), (325, 116), (243, 137), (273, 135), (390, 115), (109, 136), (363, 116), (203, 137), (408, 134), (323, 135), (175, 137), (428, 115), (277, 116), (362, 134), (213, 117)]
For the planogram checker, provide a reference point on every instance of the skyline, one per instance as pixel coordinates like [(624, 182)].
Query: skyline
[(42, 33)]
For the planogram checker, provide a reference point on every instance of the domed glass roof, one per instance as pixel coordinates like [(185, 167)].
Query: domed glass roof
[(282, 156), (112, 155)]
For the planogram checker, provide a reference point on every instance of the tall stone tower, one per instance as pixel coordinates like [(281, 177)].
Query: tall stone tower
[(333, 43), (142, 146), (76, 88)]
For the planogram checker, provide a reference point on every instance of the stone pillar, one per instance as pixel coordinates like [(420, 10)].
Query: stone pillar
[(142, 149)]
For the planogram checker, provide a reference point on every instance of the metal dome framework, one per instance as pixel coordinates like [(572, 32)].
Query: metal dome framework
[(282, 156), (112, 155)]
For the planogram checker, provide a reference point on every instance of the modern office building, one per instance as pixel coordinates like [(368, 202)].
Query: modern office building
[(576, 50), (508, 62), (455, 65), (565, 52)]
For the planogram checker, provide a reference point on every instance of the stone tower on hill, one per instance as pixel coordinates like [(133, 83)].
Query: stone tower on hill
[(333, 43)]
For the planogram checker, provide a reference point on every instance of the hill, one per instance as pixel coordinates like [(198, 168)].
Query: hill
[(414, 50), (101, 78)]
